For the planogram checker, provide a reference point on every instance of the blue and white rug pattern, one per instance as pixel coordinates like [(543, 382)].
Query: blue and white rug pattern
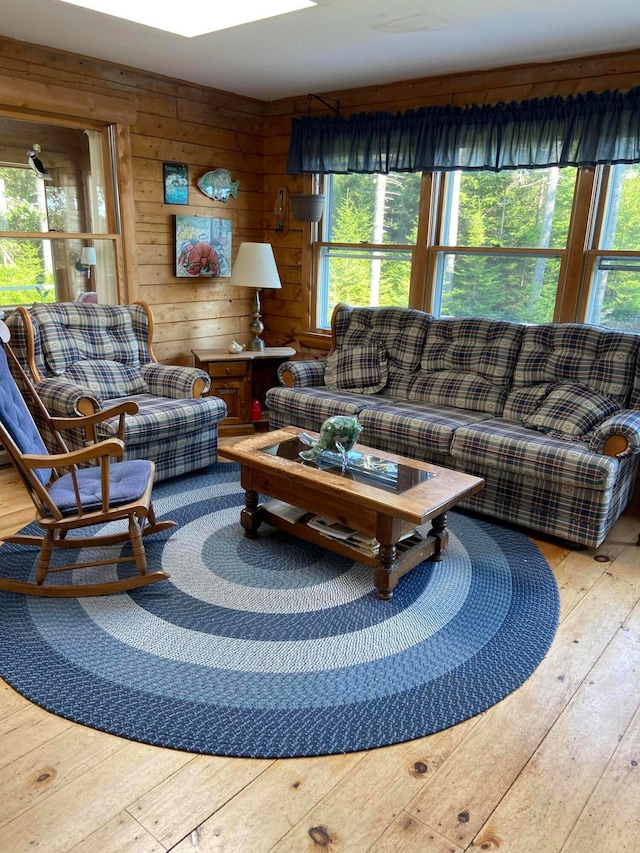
[(274, 647)]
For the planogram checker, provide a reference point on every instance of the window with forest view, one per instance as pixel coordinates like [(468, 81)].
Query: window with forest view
[(615, 282), (497, 244), (370, 230), (510, 231), (26, 265)]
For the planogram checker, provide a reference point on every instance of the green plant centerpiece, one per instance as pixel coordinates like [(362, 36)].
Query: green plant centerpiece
[(338, 435)]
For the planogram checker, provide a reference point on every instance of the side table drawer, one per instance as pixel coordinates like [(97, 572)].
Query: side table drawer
[(224, 369)]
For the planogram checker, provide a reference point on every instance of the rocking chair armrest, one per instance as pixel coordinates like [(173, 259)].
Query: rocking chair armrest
[(110, 447), (129, 407)]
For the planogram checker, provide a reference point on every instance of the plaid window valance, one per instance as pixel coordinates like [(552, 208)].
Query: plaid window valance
[(581, 130)]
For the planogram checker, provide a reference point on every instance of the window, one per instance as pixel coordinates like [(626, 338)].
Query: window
[(46, 224), (369, 234), (528, 245), (505, 235), (614, 294)]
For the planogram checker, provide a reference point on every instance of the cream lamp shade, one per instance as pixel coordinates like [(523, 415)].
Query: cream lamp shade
[(255, 266), (88, 256)]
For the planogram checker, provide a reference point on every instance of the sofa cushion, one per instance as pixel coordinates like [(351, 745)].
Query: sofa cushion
[(461, 390), (361, 369), (468, 363), (571, 411), (108, 379), (309, 407), (161, 418), (400, 330), (502, 445), (602, 359), (420, 431), (473, 344)]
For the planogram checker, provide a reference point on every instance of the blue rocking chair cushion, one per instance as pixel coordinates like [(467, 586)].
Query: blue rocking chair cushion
[(127, 482), (68, 497), (17, 419)]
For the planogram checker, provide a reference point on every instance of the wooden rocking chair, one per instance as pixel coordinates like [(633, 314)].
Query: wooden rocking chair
[(74, 497)]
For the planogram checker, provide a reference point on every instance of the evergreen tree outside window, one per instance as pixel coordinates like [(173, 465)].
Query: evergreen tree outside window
[(500, 238)]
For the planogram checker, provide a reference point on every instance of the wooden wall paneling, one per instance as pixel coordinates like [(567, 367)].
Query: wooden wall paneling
[(169, 121), (204, 138), (51, 99), (599, 72)]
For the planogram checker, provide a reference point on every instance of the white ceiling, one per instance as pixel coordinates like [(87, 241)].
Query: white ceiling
[(339, 44)]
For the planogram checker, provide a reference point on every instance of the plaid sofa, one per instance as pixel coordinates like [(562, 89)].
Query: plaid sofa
[(547, 415), (83, 358)]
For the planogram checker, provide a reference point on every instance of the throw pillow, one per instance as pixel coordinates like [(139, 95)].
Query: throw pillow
[(571, 411), (362, 369), (107, 378)]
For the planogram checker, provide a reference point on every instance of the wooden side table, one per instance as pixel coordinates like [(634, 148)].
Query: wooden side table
[(239, 378)]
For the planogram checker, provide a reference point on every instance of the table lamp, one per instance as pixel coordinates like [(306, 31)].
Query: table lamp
[(255, 267), (88, 258)]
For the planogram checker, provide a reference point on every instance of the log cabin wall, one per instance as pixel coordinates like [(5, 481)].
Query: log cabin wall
[(159, 120), (164, 120), (287, 316)]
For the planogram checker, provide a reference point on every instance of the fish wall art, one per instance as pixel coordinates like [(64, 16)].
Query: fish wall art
[(218, 185)]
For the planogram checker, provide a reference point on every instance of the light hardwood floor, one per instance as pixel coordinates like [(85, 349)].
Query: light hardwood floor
[(553, 767)]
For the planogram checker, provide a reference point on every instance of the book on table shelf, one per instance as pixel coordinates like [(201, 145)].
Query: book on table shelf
[(329, 527), (349, 535), (286, 511), (355, 539)]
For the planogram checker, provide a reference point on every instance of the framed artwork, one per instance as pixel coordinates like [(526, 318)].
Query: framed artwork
[(203, 246), (175, 178)]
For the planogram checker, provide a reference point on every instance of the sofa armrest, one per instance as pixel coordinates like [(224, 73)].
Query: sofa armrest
[(67, 399), (179, 383), (302, 374), (618, 436)]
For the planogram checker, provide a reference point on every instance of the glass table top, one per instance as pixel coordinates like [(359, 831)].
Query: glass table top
[(363, 468)]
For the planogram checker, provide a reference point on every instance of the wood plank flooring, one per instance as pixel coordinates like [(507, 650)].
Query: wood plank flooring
[(553, 768)]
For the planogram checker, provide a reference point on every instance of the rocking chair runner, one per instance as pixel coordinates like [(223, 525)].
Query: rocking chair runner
[(82, 497)]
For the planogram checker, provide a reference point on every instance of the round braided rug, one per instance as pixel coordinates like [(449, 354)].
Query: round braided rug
[(275, 647)]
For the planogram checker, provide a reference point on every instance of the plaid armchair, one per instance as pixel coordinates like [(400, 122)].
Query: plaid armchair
[(83, 358)]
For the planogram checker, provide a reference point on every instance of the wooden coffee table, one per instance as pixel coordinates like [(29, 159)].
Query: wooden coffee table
[(383, 495)]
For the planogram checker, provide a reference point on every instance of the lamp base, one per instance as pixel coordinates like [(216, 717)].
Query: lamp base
[(255, 345), (256, 326)]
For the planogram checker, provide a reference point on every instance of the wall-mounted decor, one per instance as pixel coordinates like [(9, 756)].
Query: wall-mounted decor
[(203, 246), (176, 183), (218, 185)]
